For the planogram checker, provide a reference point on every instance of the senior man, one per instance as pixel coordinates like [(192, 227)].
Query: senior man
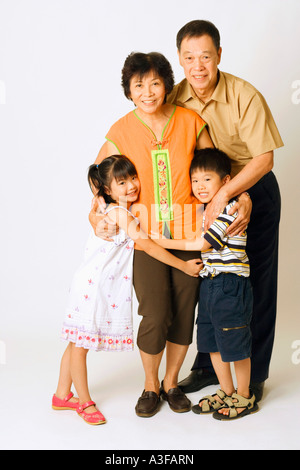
[(241, 124)]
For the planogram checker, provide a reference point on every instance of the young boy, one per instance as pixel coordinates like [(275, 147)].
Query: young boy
[(225, 304)]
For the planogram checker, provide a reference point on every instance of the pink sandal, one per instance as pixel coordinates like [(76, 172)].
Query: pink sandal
[(91, 418), (64, 404)]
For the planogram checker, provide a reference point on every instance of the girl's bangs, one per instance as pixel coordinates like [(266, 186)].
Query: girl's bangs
[(123, 168)]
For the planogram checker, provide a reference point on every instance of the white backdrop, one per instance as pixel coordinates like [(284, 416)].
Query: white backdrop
[(60, 67)]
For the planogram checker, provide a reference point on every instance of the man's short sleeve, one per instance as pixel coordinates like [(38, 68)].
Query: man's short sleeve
[(257, 127)]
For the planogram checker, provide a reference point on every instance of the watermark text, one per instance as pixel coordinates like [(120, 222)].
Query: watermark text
[(2, 353), (2, 92), (296, 93), (296, 353)]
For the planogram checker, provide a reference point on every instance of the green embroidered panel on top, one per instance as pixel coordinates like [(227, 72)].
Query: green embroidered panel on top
[(162, 185)]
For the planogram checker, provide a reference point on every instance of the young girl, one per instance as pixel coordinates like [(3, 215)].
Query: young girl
[(99, 315)]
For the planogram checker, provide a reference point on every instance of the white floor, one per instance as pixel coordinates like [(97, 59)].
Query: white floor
[(28, 380)]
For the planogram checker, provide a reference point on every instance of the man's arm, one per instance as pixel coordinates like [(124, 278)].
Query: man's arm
[(249, 175)]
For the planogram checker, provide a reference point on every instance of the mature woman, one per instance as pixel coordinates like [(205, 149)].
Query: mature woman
[(160, 139)]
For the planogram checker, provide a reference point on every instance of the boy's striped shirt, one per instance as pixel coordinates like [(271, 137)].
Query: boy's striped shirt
[(227, 254)]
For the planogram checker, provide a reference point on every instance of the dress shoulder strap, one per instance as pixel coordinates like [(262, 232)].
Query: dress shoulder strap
[(112, 207)]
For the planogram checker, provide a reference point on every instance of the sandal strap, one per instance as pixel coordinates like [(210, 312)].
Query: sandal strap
[(209, 401), (68, 397), (221, 394), (243, 402), (85, 405)]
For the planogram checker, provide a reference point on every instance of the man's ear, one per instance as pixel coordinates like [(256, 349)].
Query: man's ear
[(219, 55), (178, 53)]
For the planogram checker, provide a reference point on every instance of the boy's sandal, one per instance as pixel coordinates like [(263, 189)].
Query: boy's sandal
[(210, 404), (90, 418), (64, 404), (250, 406)]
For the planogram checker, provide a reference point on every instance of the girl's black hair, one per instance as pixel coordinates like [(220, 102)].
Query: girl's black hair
[(101, 176), (211, 159)]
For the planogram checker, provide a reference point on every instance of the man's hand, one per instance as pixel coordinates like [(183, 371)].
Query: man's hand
[(103, 227), (244, 209)]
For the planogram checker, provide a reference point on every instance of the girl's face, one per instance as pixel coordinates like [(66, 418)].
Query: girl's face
[(125, 190), (148, 93)]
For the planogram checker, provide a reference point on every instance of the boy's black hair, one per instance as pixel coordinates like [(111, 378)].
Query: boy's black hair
[(101, 176), (211, 159)]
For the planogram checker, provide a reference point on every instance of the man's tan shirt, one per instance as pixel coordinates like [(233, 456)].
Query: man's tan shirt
[(239, 120)]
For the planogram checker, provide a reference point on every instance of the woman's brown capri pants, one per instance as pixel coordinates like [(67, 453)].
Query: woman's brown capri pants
[(167, 300)]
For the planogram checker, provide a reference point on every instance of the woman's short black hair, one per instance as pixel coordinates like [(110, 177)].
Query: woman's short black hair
[(211, 159), (138, 63), (197, 28), (100, 176)]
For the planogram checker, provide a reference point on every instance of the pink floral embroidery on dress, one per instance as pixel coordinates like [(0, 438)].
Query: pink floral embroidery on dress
[(162, 182)]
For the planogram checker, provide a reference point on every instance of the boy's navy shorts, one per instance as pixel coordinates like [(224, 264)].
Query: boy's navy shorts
[(224, 316)]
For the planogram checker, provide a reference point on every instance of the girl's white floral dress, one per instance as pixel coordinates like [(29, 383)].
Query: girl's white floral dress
[(99, 311)]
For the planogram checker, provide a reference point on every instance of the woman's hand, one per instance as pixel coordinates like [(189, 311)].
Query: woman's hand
[(193, 267), (244, 208), (102, 225)]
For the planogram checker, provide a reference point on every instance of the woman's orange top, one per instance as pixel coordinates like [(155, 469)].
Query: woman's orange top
[(166, 204)]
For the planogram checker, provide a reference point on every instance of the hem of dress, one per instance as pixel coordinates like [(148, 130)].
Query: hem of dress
[(97, 342)]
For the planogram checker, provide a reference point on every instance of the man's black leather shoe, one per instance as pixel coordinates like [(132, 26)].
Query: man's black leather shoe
[(198, 379), (258, 390)]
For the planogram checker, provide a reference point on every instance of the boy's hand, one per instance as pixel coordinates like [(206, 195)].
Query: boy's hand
[(193, 267)]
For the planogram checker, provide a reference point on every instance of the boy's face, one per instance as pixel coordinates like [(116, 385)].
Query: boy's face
[(206, 183)]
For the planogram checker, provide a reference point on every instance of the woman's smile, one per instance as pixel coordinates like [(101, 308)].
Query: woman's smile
[(148, 92)]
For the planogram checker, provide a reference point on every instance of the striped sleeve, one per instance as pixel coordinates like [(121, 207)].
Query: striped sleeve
[(217, 231)]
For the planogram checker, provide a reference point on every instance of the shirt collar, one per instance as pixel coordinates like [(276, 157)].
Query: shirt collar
[(219, 93)]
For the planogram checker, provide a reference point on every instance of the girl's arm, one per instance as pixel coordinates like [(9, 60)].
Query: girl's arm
[(199, 244), (130, 225)]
